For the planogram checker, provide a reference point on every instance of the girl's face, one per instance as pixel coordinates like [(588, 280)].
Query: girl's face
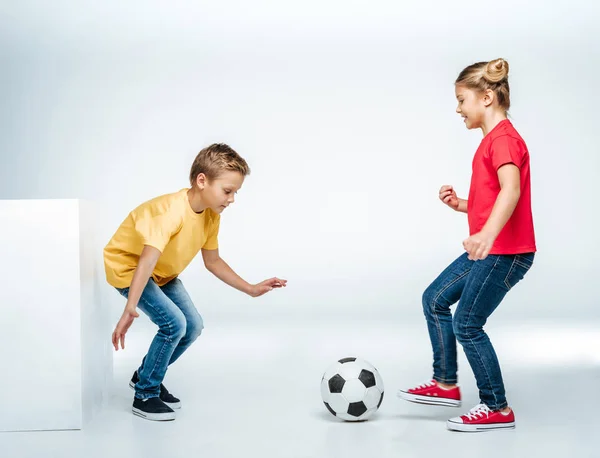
[(471, 106)]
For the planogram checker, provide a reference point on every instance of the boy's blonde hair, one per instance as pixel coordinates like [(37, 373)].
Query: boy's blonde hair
[(215, 159), (491, 75)]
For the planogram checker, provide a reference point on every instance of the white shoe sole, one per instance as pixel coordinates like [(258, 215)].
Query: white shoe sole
[(172, 405), (167, 416), (428, 400), (454, 426)]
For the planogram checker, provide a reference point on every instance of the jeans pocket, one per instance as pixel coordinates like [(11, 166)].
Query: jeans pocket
[(520, 266)]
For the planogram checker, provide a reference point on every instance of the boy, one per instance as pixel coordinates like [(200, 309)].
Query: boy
[(152, 247)]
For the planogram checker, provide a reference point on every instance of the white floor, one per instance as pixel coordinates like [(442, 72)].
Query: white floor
[(252, 389)]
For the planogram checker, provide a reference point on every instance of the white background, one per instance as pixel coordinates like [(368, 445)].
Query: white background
[(345, 113)]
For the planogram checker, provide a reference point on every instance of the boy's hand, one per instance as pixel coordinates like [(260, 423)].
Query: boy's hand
[(449, 197), (478, 246), (122, 326), (264, 287)]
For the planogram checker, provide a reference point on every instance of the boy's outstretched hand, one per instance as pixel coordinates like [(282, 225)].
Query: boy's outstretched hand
[(265, 286), (122, 326)]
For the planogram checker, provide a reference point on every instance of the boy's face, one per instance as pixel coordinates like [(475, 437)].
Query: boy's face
[(217, 194), (471, 106)]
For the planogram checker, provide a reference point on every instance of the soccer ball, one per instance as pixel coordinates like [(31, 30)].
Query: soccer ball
[(352, 389)]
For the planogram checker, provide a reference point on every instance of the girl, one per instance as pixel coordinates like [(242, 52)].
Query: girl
[(498, 253)]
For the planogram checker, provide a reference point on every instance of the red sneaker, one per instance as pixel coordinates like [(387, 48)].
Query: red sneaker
[(431, 393), (481, 418)]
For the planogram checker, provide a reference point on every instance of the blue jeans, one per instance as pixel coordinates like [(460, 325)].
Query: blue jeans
[(179, 325), (478, 287)]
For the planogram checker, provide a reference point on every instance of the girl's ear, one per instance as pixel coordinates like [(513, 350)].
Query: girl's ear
[(488, 97)]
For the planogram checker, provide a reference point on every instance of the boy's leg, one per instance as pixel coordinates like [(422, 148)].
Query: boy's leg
[(443, 292), (486, 286), (171, 328), (175, 291)]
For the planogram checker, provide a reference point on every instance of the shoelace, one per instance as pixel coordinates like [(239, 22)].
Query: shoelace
[(477, 411), (427, 384)]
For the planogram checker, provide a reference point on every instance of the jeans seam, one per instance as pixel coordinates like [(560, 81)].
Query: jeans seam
[(437, 322), (510, 271), (471, 340), (522, 264)]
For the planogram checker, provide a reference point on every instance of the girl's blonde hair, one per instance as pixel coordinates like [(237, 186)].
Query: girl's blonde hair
[(491, 75)]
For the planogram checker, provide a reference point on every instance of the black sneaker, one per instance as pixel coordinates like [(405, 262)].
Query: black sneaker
[(164, 395), (152, 409)]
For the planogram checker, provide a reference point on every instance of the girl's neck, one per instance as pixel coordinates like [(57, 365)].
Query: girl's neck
[(492, 120)]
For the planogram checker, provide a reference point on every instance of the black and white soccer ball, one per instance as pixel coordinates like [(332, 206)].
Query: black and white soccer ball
[(352, 389)]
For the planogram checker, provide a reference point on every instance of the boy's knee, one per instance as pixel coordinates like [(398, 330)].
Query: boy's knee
[(177, 328), (194, 328)]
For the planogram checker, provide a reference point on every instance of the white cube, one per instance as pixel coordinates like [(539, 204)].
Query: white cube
[(55, 330)]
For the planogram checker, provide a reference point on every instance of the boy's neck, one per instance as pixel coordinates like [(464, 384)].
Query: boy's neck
[(195, 200)]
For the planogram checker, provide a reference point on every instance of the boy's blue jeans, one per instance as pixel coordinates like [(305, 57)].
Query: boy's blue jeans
[(478, 287), (179, 325)]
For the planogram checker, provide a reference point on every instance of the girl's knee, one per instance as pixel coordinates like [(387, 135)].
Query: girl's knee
[(428, 300), (464, 333)]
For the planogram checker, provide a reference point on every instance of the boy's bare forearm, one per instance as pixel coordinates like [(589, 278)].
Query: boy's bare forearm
[(223, 272), (142, 274)]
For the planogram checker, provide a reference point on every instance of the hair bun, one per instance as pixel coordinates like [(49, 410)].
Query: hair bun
[(496, 71)]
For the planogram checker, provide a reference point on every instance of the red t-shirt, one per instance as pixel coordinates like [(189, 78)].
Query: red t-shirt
[(502, 145)]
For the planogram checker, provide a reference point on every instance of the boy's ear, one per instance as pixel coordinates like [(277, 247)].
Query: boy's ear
[(201, 181)]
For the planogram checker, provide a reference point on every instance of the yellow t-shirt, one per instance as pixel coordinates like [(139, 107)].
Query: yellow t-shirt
[(168, 224)]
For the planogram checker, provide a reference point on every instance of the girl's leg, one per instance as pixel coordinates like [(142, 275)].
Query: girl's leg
[(443, 292), (486, 285)]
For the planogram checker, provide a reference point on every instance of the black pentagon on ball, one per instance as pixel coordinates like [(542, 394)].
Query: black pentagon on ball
[(367, 377), (356, 409), (336, 383), (330, 409), (380, 401), (346, 360)]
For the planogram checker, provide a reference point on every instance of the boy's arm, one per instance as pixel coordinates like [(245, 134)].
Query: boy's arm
[(147, 262), (220, 269)]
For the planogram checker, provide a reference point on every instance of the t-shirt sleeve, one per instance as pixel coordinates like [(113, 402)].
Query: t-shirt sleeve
[(156, 230), (212, 241), (507, 150)]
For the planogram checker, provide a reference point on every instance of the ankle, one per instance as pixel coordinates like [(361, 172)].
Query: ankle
[(506, 410), (446, 386)]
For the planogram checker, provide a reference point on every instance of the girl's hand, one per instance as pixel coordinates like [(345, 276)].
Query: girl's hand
[(449, 197), (478, 246)]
